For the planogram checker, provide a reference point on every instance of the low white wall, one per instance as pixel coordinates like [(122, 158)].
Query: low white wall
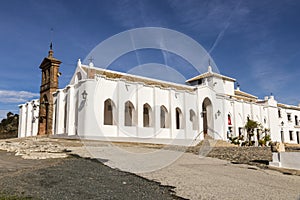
[(290, 160)]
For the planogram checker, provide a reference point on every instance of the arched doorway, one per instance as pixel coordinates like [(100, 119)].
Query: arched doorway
[(207, 114), (44, 119)]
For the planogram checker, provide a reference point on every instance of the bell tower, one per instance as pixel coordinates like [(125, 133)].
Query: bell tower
[(49, 85)]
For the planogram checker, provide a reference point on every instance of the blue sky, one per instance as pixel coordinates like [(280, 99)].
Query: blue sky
[(256, 42)]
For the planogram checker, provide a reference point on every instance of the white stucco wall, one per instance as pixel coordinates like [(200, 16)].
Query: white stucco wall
[(28, 119), (75, 115), (91, 111), (289, 125)]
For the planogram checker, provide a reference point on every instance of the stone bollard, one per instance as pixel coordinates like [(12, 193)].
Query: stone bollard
[(277, 147)]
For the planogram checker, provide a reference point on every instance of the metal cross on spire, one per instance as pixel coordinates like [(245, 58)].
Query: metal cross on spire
[(50, 53), (91, 59), (51, 38)]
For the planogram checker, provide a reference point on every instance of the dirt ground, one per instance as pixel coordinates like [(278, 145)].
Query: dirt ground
[(72, 178), (46, 173)]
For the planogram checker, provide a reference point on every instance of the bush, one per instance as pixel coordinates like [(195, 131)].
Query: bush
[(262, 142), (247, 143), (234, 140), (267, 138)]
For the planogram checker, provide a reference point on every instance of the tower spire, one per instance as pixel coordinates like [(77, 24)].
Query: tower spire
[(50, 52), (209, 66), (49, 85), (237, 86)]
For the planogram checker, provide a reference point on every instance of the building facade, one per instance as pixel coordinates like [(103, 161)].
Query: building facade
[(108, 105)]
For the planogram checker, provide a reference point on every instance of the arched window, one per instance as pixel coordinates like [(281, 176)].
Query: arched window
[(193, 119), (48, 75), (229, 119), (279, 113), (129, 114), (109, 108), (164, 117), (179, 118), (147, 113), (78, 77), (44, 76)]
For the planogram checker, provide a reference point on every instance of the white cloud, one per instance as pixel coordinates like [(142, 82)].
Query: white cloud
[(11, 96)]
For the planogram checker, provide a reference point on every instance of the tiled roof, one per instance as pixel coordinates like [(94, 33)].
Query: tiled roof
[(210, 74), (288, 106), (133, 78), (244, 94)]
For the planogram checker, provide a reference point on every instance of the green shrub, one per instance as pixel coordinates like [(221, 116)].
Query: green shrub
[(262, 142)]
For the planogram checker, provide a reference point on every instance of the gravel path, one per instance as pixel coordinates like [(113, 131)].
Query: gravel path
[(208, 178)]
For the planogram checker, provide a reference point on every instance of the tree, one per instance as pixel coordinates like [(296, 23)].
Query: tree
[(266, 138), (9, 114), (9, 126), (250, 126)]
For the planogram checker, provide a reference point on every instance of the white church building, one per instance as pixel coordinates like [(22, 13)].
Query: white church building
[(102, 104)]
